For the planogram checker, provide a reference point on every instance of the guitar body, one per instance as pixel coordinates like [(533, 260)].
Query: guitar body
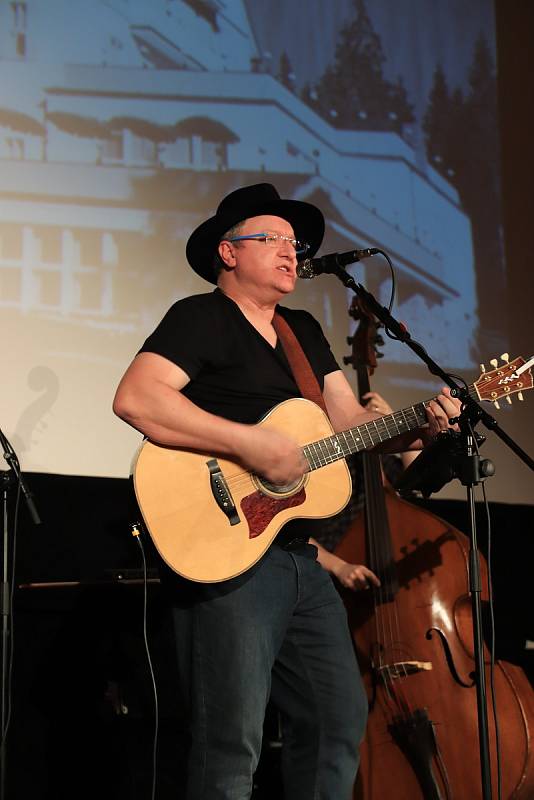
[(180, 493)]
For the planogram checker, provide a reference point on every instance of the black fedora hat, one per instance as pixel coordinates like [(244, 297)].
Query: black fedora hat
[(251, 201)]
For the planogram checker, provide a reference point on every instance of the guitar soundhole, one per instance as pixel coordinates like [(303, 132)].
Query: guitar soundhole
[(278, 491)]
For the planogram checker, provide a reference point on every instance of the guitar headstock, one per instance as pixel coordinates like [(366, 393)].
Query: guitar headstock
[(509, 378)]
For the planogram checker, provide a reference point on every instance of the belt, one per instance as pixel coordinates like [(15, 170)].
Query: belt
[(288, 541)]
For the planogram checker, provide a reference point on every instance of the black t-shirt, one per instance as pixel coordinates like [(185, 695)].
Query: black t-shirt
[(234, 372)]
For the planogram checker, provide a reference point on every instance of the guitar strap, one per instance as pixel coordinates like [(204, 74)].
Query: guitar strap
[(299, 363)]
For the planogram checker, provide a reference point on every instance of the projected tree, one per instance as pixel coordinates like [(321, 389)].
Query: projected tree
[(353, 92), (461, 135), (286, 74)]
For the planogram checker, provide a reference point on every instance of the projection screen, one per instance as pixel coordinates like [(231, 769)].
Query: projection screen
[(123, 123)]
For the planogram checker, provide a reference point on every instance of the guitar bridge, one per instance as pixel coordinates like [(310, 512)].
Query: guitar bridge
[(221, 492)]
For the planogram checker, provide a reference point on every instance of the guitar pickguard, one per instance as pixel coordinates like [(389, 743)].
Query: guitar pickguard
[(259, 509)]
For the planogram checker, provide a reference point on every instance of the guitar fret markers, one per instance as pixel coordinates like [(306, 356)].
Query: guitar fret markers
[(363, 437)]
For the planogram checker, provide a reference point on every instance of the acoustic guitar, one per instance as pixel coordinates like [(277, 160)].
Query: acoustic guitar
[(211, 520)]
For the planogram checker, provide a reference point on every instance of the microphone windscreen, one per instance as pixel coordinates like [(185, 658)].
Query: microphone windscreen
[(305, 269)]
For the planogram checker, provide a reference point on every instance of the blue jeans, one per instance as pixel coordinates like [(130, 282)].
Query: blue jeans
[(278, 631)]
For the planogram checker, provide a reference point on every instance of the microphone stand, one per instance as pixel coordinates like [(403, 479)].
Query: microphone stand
[(471, 472), (8, 478)]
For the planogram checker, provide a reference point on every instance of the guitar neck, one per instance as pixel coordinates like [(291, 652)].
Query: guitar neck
[(364, 437)]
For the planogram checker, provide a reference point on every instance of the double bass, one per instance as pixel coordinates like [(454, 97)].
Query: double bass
[(413, 638)]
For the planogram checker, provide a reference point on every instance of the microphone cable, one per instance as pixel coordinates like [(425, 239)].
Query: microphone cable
[(136, 528), (393, 285)]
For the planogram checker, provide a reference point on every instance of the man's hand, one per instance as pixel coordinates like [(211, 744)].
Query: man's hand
[(439, 412), (274, 456)]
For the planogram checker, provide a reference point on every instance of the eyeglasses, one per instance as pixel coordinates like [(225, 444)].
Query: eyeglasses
[(273, 240)]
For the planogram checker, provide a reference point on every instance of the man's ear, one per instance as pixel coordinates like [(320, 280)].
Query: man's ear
[(226, 254)]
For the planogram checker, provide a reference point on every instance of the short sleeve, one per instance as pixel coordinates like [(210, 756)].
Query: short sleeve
[(182, 334)]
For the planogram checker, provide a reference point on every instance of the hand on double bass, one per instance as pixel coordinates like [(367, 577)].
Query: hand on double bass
[(354, 576), (350, 576)]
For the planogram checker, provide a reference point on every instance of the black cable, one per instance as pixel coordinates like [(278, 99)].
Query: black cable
[(393, 284), (136, 532)]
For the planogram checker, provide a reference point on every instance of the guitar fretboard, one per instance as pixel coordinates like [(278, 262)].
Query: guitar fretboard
[(364, 437)]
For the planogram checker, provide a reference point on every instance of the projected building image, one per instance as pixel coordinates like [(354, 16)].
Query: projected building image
[(122, 125)]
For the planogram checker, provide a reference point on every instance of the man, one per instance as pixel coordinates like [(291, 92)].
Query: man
[(209, 372)]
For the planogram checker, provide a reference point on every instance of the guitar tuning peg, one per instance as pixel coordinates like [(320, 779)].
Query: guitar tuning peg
[(482, 368), (520, 396), (379, 355), (350, 340), (496, 404), (508, 399), (379, 340), (505, 357), (494, 363)]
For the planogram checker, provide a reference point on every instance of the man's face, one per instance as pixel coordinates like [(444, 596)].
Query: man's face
[(260, 265)]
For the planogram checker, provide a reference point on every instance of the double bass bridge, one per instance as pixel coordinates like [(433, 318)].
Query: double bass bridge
[(400, 669)]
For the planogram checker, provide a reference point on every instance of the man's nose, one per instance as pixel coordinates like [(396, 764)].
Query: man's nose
[(287, 248)]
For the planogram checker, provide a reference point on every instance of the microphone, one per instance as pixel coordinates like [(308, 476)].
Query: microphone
[(311, 267)]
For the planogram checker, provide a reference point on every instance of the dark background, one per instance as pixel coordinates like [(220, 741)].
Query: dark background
[(83, 707)]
